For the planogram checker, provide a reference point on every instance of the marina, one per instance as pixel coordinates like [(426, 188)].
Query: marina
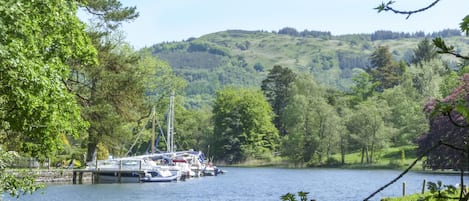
[(162, 167), (156, 166)]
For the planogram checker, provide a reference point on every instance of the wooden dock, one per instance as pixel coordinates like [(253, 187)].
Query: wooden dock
[(77, 177)]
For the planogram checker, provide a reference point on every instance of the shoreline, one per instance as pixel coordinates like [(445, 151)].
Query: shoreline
[(65, 176)]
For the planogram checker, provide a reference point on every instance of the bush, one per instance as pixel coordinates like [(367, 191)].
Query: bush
[(332, 162)]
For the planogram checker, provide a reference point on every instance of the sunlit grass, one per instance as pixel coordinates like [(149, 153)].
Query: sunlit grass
[(393, 157)]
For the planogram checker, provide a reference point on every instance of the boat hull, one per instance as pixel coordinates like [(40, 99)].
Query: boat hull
[(160, 179)]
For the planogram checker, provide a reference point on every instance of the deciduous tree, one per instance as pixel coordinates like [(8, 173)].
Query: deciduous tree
[(38, 41), (242, 126), (313, 123)]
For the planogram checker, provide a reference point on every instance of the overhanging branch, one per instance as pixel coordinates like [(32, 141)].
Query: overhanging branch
[(387, 7)]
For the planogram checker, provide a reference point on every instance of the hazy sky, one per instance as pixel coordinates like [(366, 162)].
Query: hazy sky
[(176, 20)]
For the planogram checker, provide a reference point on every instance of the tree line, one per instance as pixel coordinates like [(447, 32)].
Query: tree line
[(310, 122)]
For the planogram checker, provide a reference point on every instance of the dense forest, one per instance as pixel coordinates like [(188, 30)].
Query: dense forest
[(243, 58), (327, 95)]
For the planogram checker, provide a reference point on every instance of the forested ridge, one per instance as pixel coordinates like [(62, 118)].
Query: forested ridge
[(242, 58), (329, 95)]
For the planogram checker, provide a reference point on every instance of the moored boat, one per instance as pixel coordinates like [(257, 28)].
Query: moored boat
[(160, 175)]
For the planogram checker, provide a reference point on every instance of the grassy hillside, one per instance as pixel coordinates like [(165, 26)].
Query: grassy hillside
[(243, 58)]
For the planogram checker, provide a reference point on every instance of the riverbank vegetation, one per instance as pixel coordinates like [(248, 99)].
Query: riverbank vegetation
[(77, 92), (435, 191)]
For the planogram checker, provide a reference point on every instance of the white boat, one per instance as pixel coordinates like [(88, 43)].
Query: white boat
[(124, 170), (157, 167), (160, 175)]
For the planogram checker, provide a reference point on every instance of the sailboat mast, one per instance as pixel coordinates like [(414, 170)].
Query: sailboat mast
[(153, 117), (172, 123), (170, 140)]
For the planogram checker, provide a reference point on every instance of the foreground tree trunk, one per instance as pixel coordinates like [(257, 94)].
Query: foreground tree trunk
[(91, 152), (363, 155), (342, 151)]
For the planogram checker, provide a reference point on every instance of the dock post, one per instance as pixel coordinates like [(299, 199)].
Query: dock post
[(119, 174), (74, 177), (403, 188), (80, 177), (140, 174), (97, 176), (423, 186)]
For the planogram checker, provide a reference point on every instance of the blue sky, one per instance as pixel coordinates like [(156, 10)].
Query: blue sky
[(176, 20)]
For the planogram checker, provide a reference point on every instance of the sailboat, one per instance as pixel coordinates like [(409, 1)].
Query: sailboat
[(171, 165)]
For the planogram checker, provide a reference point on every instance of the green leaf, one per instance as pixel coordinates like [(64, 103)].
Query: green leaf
[(465, 25)]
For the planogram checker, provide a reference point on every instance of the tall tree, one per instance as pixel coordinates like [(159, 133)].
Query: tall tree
[(424, 52), (243, 126), (276, 88), (367, 125), (406, 114), (427, 76), (112, 93), (38, 40), (312, 123), (363, 87), (109, 14), (384, 69)]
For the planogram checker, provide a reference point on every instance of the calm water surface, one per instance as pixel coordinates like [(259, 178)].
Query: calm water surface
[(253, 184)]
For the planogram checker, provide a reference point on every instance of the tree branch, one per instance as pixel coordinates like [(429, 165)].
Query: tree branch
[(70, 90), (405, 171), (453, 147), (454, 54), (453, 121), (94, 13), (387, 7)]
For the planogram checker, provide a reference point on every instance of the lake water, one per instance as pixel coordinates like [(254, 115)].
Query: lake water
[(253, 184)]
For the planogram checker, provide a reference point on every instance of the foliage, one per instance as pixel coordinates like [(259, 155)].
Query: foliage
[(363, 87), (427, 77), (112, 93), (291, 197), (405, 114), (384, 69), (437, 191), (448, 122), (368, 128), (276, 88), (424, 52), (10, 183), (450, 81), (109, 14), (243, 128), (331, 60), (38, 40), (312, 123), (447, 125)]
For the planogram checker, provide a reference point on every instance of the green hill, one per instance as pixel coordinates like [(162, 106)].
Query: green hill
[(243, 58)]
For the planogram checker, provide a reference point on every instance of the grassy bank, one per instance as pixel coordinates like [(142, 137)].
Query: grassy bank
[(390, 158), (428, 196)]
